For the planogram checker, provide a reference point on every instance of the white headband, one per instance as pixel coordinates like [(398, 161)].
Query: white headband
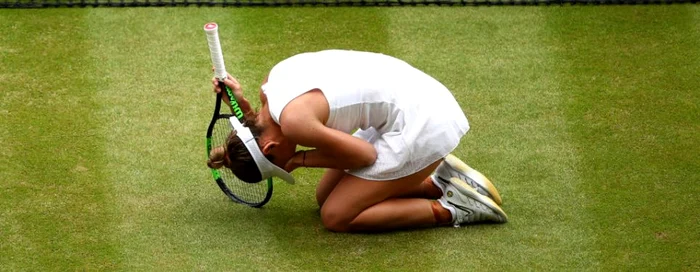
[(266, 167)]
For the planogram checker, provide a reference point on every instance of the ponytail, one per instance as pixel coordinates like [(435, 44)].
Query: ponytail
[(216, 157)]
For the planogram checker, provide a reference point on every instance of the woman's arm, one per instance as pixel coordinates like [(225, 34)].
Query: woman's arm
[(350, 153), (237, 91), (302, 121)]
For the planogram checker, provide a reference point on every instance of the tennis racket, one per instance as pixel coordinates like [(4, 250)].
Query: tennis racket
[(251, 194)]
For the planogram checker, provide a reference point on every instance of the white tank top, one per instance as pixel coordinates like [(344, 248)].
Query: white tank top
[(363, 89), (370, 90)]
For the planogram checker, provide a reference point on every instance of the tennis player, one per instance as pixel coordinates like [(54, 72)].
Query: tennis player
[(382, 129)]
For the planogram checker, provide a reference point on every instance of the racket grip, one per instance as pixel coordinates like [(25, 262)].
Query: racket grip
[(235, 108), (217, 57)]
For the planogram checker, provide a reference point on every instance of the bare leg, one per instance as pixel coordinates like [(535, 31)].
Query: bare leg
[(328, 182), (395, 213), (356, 204), (425, 189), (331, 177)]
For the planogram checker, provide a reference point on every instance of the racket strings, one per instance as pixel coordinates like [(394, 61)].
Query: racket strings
[(246, 192)]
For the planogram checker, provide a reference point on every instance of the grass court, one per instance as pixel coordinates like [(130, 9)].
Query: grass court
[(585, 117)]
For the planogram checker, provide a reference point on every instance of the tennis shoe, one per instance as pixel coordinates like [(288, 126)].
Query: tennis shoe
[(454, 167), (469, 206)]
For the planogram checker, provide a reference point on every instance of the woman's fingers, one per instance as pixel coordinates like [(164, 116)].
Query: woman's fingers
[(229, 81), (215, 82)]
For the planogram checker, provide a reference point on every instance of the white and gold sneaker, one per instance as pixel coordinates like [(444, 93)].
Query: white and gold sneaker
[(469, 206), (454, 167)]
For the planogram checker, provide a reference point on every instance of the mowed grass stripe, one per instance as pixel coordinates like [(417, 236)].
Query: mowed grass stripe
[(631, 75), (498, 63), (54, 214), (155, 69)]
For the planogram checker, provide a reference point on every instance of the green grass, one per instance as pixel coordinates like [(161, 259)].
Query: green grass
[(586, 118)]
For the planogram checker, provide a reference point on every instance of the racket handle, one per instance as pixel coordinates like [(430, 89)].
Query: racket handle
[(217, 57), (235, 108)]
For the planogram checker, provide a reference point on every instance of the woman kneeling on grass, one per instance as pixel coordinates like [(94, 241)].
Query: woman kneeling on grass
[(395, 171)]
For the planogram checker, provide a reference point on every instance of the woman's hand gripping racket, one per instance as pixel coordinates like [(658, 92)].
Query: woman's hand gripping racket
[(220, 129)]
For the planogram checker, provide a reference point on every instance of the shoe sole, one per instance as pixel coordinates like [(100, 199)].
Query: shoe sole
[(479, 178), (469, 191)]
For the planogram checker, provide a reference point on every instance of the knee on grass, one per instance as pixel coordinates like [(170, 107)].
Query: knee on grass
[(336, 220)]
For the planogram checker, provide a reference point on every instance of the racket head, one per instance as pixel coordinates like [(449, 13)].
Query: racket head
[(251, 194)]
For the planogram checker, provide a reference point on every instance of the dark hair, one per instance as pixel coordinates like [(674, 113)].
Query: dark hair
[(242, 163)]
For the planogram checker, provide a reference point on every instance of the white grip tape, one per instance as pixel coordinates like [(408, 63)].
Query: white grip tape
[(217, 58)]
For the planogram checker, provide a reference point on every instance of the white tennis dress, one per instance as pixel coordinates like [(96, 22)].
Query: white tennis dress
[(411, 119)]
